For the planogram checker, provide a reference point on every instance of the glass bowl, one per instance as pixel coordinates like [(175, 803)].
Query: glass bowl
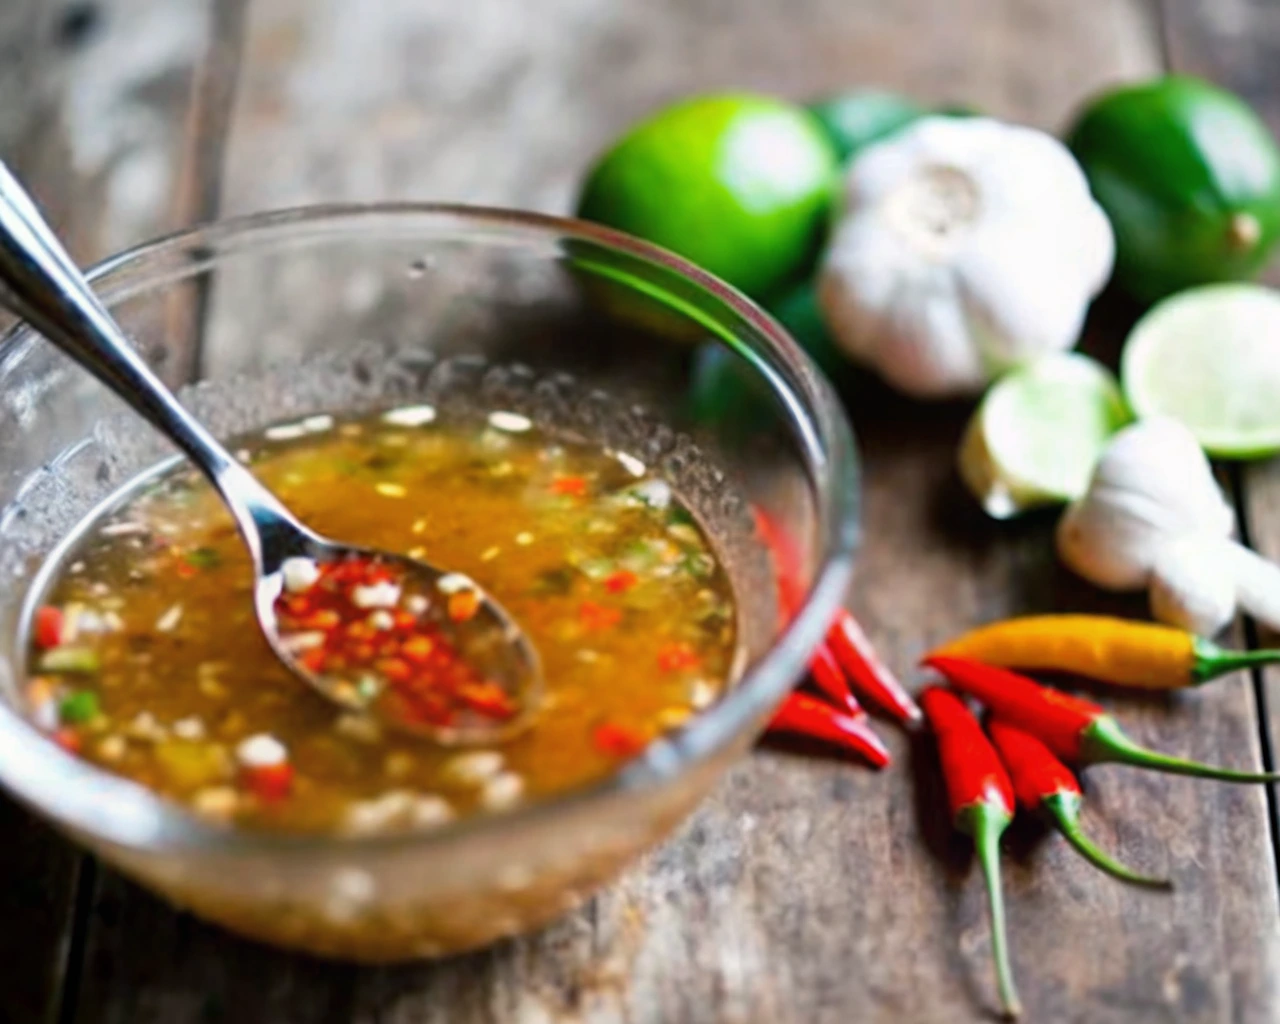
[(364, 306)]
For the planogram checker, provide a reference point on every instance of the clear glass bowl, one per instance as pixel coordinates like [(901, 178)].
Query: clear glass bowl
[(349, 307)]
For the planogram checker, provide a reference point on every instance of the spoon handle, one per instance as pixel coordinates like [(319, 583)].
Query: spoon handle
[(43, 286)]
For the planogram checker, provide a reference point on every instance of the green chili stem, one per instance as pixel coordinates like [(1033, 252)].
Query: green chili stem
[(1212, 661), (986, 823), (1103, 740), (1064, 808)]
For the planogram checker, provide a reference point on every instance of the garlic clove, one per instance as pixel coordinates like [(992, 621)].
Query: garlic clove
[(1193, 586), (1109, 543), (1163, 475), (1257, 582), (1152, 484)]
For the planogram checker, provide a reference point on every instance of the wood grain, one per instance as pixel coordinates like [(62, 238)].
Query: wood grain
[(1238, 45), (805, 890), (112, 121)]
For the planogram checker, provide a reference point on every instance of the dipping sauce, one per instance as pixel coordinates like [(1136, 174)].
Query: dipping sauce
[(147, 657)]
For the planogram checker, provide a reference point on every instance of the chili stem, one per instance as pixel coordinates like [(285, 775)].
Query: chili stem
[(1212, 661), (1102, 740), (1064, 808), (986, 824)]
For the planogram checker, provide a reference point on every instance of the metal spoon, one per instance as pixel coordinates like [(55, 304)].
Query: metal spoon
[(44, 287)]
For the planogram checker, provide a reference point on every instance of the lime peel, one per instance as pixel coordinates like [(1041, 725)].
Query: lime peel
[(1035, 438)]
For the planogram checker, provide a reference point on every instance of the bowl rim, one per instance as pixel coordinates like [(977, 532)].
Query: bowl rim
[(95, 803)]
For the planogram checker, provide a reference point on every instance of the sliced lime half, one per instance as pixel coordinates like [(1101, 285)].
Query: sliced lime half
[(1210, 357), (1038, 432)]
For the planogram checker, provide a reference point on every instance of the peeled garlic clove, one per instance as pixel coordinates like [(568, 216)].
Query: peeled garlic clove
[(1193, 586), (1257, 584)]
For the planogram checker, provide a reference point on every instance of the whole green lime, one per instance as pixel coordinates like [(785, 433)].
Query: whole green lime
[(854, 120), (738, 184), (1190, 179)]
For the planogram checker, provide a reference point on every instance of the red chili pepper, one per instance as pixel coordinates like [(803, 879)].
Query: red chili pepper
[(801, 715), (269, 783), (867, 673), (676, 657), (621, 581), (619, 741), (396, 670), (786, 563), (487, 698), (49, 624), (1042, 782), (824, 669), (595, 616), (418, 649), (981, 798), (1075, 729), (69, 740), (825, 672), (569, 486)]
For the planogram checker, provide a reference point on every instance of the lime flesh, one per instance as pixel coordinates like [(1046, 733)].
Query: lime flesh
[(1038, 432), (1210, 357)]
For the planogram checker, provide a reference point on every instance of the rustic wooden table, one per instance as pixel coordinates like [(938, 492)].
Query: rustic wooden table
[(803, 891)]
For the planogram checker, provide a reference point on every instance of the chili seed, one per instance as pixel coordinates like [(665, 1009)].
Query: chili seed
[(189, 728), (430, 812), (361, 728), (299, 574), (216, 802), (473, 767), (502, 791), (261, 751)]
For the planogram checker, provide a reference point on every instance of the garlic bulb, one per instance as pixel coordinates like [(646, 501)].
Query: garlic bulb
[(1153, 517), (964, 246)]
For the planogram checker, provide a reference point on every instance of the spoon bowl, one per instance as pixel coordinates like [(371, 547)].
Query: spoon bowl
[(42, 285), (490, 642)]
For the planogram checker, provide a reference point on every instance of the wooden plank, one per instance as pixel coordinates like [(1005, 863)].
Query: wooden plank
[(118, 110), (94, 122), (1238, 46), (804, 890)]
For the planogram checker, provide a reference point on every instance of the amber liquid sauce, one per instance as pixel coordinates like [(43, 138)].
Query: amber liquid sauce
[(489, 503)]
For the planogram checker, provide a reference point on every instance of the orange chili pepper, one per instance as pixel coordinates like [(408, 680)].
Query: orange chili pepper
[(463, 605), (1142, 654)]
